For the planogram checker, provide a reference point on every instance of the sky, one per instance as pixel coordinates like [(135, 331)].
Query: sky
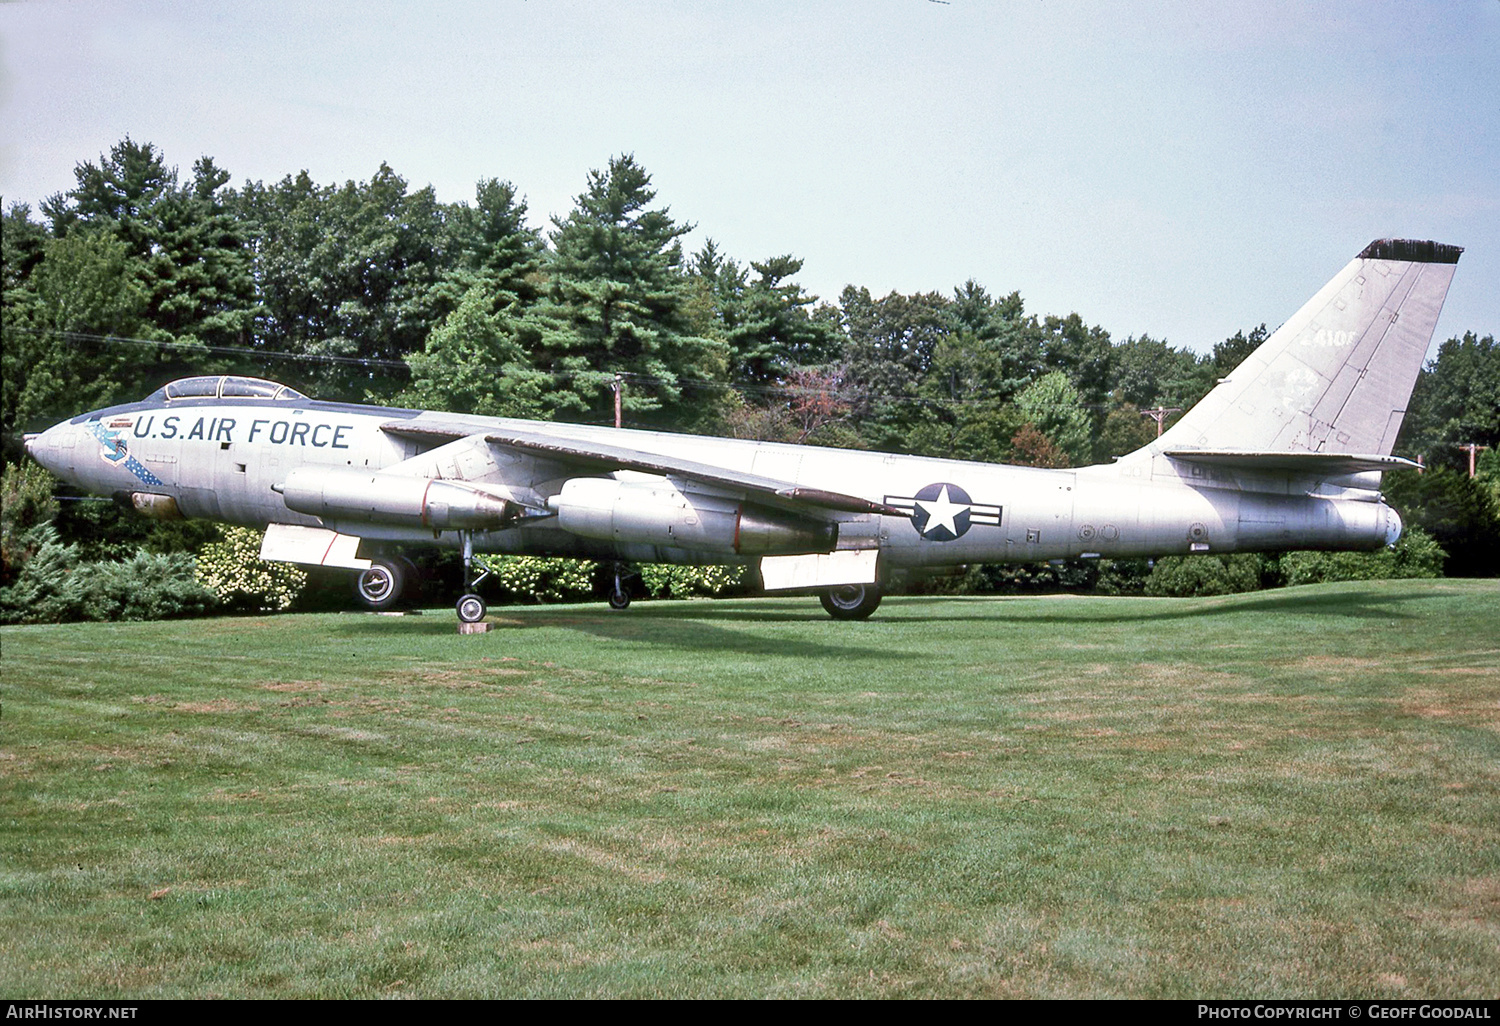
[(1178, 169)]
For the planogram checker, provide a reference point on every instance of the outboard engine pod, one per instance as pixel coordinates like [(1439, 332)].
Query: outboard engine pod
[(659, 513)]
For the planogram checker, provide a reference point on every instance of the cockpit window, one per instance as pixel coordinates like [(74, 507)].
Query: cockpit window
[(227, 387), (185, 388), (249, 387)]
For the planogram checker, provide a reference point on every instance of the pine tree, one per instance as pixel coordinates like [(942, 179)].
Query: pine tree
[(617, 302)]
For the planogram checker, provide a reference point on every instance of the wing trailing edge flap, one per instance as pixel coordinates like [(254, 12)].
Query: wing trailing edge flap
[(1311, 463), (599, 457)]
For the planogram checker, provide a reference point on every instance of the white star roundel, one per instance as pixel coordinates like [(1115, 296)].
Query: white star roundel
[(943, 511)]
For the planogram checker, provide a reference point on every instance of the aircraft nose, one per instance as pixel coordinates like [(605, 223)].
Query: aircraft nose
[(53, 448)]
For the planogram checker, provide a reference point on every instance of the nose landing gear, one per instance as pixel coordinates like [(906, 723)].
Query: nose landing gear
[(471, 608)]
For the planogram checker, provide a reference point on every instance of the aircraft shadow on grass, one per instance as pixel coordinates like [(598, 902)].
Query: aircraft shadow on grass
[(1102, 610), (691, 625), (671, 624)]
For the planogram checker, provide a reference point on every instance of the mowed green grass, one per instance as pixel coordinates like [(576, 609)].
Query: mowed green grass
[(1292, 793)]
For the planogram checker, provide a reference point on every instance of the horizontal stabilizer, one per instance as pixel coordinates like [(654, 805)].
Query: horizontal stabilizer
[(1323, 464)]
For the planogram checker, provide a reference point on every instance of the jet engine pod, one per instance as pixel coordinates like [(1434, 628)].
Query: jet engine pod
[(1393, 525), (150, 505), (348, 495), (657, 512)]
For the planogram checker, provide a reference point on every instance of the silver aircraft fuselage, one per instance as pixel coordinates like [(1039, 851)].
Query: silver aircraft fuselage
[(222, 458)]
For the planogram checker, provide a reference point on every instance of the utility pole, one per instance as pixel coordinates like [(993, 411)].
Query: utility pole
[(1159, 414), (1473, 450), (619, 387)]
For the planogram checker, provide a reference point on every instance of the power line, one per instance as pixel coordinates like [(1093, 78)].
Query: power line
[(204, 347), (605, 378)]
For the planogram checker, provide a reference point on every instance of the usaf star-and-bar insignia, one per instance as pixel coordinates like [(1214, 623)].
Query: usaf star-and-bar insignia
[(944, 511)]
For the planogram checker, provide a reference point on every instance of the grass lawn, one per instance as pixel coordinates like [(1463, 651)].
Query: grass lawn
[(1285, 794)]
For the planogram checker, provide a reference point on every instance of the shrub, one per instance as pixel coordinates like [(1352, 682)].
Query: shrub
[(1014, 578), (56, 586), (1415, 555), (233, 570), (25, 502), (1188, 576), (542, 579), (662, 580), (1123, 576)]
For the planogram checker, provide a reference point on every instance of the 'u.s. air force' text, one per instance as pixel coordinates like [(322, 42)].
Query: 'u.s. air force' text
[(224, 429)]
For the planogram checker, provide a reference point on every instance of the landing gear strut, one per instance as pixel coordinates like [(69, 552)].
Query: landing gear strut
[(619, 597), (851, 601), (471, 608)]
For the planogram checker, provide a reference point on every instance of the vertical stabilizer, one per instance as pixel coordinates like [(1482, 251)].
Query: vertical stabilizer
[(1336, 377)]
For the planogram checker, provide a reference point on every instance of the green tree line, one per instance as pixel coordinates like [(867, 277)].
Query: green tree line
[(373, 291)]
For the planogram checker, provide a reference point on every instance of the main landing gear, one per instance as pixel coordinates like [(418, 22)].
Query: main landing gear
[(381, 585), (851, 601), (619, 595), (471, 608)]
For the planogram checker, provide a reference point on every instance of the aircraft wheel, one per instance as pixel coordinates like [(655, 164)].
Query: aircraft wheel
[(471, 609), (412, 583), (380, 586), (619, 598), (851, 601)]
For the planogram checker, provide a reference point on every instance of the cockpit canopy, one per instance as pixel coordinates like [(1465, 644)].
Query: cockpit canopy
[(225, 386)]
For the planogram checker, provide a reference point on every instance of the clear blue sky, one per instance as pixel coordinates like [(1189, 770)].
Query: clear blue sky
[(1183, 169)]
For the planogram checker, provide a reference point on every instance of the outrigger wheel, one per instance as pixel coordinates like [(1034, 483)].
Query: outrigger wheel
[(851, 601), (619, 596)]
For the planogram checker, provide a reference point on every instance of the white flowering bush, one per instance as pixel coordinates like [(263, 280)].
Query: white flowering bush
[(233, 570), (542, 579), (664, 580)]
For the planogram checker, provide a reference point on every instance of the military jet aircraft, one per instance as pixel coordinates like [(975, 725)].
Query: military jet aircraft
[(1285, 453)]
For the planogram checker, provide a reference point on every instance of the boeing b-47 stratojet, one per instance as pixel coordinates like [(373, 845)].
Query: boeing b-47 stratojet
[(1285, 453)]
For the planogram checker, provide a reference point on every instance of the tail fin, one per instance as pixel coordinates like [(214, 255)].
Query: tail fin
[(1336, 377)]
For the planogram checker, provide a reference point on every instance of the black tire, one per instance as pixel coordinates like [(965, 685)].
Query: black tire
[(380, 586), (851, 601), (619, 599), (471, 609), (415, 582)]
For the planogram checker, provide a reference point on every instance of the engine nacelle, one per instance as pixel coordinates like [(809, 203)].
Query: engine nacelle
[(151, 505), (658, 513), (362, 496)]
